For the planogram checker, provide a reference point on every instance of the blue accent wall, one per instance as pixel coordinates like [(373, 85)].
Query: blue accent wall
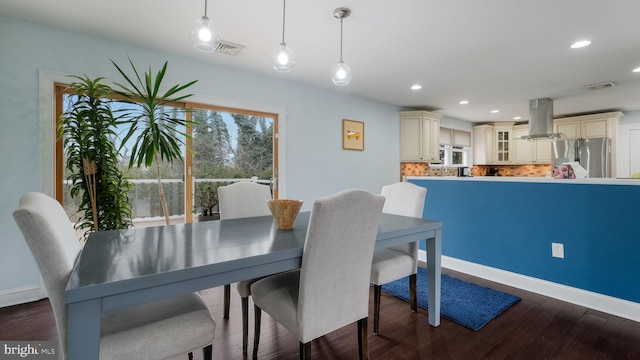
[(511, 225)]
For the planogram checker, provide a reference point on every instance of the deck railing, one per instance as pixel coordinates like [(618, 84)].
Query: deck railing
[(145, 200)]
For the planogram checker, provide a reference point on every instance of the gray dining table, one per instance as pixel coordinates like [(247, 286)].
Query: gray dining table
[(118, 269)]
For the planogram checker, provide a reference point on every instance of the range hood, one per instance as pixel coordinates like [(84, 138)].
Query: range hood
[(540, 120)]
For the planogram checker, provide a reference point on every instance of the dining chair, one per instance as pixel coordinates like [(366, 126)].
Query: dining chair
[(397, 262), (156, 330), (331, 289), (241, 200)]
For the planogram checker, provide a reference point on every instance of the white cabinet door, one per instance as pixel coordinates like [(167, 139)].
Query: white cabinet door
[(484, 145), (594, 128), (542, 151), (523, 150), (503, 145), (570, 128), (431, 139), (410, 138)]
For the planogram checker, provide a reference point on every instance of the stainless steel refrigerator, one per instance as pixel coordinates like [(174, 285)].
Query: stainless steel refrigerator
[(593, 154)]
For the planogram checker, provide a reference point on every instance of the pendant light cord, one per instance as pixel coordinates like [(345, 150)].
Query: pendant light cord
[(205, 8), (284, 6), (341, 39)]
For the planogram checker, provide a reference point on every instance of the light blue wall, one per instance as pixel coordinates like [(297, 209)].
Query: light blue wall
[(511, 225), (316, 165)]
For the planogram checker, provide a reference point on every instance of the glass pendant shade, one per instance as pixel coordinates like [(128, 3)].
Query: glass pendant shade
[(203, 36), (283, 59), (341, 74)]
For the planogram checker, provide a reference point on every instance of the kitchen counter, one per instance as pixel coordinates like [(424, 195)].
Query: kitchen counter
[(531, 179), (509, 223)]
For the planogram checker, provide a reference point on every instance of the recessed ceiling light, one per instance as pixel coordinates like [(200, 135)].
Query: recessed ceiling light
[(495, 111), (636, 69), (517, 117), (463, 102), (581, 43), (416, 87)]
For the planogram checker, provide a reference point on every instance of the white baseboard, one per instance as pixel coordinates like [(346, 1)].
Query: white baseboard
[(20, 295), (611, 305)]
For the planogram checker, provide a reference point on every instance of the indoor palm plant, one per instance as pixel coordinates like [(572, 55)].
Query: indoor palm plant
[(88, 131), (155, 126)]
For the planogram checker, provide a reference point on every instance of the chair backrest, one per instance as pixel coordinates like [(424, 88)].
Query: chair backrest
[(55, 247), (336, 262), (406, 199), (243, 199)]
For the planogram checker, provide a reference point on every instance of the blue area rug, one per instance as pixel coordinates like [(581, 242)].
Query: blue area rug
[(464, 303)]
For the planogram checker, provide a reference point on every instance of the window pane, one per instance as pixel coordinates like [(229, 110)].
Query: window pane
[(457, 158), (228, 145)]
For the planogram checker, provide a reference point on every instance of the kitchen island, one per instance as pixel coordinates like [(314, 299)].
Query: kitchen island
[(506, 225)]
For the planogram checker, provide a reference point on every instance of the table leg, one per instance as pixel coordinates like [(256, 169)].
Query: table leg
[(434, 253), (83, 330)]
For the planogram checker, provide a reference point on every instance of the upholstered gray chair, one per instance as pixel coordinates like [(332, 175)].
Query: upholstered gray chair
[(150, 331), (331, 289), (399, 261), (241, 200)]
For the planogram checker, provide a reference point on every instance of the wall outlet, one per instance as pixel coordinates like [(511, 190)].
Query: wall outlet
[(557, 250)]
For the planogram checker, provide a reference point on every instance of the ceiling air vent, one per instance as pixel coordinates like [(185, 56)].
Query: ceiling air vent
[(229, 48), (604, 85)]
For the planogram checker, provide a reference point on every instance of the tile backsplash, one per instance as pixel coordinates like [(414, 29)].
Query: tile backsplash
[(423, 169)]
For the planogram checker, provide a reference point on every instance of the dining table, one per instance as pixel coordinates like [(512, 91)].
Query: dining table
[(122, 268)]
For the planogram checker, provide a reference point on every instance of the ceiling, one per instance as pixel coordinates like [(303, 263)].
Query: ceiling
[(497, 54)]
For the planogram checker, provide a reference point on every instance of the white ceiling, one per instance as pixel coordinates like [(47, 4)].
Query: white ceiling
[(498, 54)]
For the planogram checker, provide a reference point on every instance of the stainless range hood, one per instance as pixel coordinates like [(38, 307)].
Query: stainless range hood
[(540, 120)]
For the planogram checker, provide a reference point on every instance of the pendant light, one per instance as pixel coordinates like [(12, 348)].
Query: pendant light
[(283, 55), (341, 72), (202, 34)]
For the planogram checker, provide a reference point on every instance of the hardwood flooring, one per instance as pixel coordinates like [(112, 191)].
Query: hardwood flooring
[(537, 327)]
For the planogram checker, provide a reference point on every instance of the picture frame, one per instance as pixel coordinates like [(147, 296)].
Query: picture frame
[(352, 135)]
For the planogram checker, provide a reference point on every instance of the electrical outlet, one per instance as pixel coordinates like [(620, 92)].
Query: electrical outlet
[(557, 250)]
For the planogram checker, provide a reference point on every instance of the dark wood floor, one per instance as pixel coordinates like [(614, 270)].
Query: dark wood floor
[(538, 327)]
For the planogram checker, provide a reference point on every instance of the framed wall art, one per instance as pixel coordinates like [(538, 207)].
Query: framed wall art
[(352, 135)]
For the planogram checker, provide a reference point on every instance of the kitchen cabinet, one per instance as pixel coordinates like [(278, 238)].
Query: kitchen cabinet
[(588, 126), (503, 141), (484, 144), (522, 149), (530, 152), (419, 136)]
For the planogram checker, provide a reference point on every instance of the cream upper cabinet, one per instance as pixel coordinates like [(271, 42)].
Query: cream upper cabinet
[(542, 151), (588, 126), (419, 136), (504, 143), (570, 128), (523, 150), (530, 152), (484, 145)]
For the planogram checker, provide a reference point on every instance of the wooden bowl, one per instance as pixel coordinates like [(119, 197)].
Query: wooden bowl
[(284, 212)]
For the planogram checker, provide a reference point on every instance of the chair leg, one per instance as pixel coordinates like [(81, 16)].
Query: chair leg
[(413, 297), (227, 300), (207, 352), (245, 323), (257, 314), (305, 351), (377, 290), (363, 340)]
